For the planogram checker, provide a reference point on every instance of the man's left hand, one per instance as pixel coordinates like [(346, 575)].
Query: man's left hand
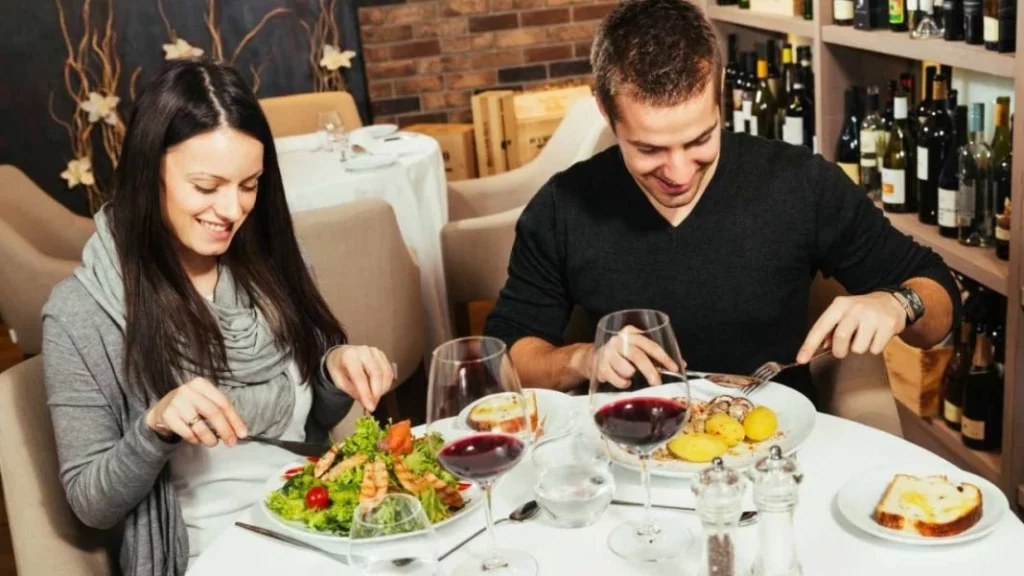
[(857, 324)]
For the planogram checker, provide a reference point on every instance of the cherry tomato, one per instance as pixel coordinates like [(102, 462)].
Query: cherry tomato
[(317, 498)]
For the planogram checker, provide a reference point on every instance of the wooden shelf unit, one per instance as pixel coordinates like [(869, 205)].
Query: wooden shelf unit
[(844, 55)]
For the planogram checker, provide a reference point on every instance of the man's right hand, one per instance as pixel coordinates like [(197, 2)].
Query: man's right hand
[(625, 353), (188, 409)]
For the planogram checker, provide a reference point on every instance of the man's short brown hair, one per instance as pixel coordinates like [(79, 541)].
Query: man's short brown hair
[(658, 52)]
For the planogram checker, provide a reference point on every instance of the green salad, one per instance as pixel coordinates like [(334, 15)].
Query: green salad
[(323, 495)]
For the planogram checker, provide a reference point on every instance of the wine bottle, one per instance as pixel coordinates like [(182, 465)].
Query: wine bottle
[(872, 143), (974, 212), (979, 425), (842, 12), (848, 145), (990, 24), (729, 100), (808, 11), (924, 108), (973, 22), (898, 16), (955, 375), (788, 71), (898, 162), (926, 26), (793, 127), (766, 110), (932, 143), (909, 86), (774, 77), (1002, 179), (1007, 26), (1001, 137), (803, 54), (949, 179), (890, 95), (744, 4), (953, 23)]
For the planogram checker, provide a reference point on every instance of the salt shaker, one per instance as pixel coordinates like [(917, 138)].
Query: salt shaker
[(719, 493), (776, 481)]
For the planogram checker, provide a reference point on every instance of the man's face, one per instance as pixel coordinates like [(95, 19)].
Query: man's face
[(670, 151)]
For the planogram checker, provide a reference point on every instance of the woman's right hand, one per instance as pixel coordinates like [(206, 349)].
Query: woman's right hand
[(199, 403)]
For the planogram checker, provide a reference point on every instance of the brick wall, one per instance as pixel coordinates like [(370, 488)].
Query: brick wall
[(425, 59)]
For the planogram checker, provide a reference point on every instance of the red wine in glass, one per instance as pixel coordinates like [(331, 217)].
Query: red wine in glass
[(642, 423), (482, 457)]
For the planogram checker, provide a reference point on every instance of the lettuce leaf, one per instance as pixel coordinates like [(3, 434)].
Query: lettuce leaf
[(364, 440), (424, 458), (432, 505)]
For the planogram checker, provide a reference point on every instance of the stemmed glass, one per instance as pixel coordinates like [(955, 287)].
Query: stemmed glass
[(330, 124), (472, 381), (640, 399), (374, 547)]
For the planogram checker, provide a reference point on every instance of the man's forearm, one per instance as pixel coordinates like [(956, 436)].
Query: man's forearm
[(937, 321), (543, 365)]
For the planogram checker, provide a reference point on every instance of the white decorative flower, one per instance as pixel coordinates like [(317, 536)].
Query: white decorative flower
[(79, 171), (334, 58), (100, 106), (181, 50)]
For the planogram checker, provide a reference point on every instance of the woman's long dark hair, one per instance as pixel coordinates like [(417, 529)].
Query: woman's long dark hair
[(167, 320)]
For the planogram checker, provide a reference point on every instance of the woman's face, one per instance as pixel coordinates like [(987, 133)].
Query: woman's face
[(209, 188)]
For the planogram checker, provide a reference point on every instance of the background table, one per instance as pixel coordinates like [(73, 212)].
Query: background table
[(415, 187), (826, 544)]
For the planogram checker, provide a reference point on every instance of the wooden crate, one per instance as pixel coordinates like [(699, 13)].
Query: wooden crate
[(915, 375), (530, 118), (457, 147), (488, 132), (779, 7)]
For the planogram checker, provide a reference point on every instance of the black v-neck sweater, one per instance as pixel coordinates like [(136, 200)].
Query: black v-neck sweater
[(734, 277)]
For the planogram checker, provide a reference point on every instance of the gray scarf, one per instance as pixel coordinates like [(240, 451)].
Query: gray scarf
[(257, 381)]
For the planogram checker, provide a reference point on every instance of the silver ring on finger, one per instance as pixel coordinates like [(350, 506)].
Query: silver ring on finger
[(194, 421)]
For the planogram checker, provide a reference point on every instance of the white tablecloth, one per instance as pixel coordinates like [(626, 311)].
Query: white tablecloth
[(836, 450), (415, 187)]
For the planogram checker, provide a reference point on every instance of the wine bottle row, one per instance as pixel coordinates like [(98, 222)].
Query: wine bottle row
[(770, 92), (972, 384), (806, 10), (992, 23), (932, 158)]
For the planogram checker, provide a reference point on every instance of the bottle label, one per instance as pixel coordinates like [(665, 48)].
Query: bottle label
[(991, 29), (868, 141), (739, 121), (842, 10), (752, 126), (947, 208), (973, 429), (922, 163), (951, 412), (911, 6), (894, 186), (965, 204), (1002, 233), (814, 144), (737, 99), (896, 12), (925, 6), (852, 170), (868, 162), (793, 130)]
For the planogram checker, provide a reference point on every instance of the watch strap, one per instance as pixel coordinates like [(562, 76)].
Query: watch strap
[(909, 300)]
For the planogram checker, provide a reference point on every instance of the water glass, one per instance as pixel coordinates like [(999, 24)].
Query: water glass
[(330, 128), (574, 483), (393, 538)]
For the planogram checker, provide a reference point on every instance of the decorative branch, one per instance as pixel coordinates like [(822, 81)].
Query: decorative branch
[(325, 42)]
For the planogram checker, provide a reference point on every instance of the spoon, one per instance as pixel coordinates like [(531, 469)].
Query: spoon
[(520, 514)]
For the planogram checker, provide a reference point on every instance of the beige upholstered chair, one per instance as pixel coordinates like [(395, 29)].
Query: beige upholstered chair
[(48, 539), (368, 278), (297, 113), (581, 134), (53, 229)]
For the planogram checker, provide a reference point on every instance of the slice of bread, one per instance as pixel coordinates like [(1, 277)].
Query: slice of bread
[(930, 506), (504, 414)]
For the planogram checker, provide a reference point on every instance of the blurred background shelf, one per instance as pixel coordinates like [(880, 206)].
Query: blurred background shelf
[(933, 434), (774, 23)]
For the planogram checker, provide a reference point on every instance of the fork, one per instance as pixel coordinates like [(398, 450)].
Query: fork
[(770, 370)]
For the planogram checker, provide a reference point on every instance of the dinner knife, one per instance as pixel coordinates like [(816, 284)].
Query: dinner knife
[(293, 541), (301, 448)]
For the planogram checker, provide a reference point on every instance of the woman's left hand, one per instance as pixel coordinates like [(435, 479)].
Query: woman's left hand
[(362, 372)]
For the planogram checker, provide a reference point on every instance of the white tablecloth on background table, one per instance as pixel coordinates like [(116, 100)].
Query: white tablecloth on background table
[(415, 187), (827, 546)]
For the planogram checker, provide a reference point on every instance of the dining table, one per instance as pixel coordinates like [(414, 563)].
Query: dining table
[(826, 543), (316, 176)]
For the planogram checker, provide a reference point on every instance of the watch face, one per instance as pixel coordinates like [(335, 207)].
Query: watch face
[(916, 306)]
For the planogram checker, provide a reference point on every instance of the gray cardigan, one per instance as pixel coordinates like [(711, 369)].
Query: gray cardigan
[(114, 468)]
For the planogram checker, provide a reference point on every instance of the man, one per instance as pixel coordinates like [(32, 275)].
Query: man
[(723, 232)]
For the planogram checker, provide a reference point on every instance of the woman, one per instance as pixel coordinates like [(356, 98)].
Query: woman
[(192, 323)]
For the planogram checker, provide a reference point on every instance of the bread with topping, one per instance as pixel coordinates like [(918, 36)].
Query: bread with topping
[(930, 506)]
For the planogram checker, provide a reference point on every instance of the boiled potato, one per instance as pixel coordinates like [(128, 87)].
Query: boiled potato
[(761, 424), (725, 427), (698, 447)]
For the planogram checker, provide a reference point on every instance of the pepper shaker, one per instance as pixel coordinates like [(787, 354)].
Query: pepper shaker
[(719, 493), (776, 481)]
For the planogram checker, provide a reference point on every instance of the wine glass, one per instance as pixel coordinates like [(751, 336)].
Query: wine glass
[(373, 547), (472, 381), (640, 413), (329, 123)]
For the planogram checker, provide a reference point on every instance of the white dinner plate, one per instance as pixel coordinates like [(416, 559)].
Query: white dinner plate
[(367, 162), (795, 413), (555, 410), (473, 495), (374, 131), (857, 499)]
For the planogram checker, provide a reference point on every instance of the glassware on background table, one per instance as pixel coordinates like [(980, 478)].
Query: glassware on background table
[(330, 129), (776, 480), (643, 419), (473, 379), (574, 483), (373, 549), (719, 492)]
